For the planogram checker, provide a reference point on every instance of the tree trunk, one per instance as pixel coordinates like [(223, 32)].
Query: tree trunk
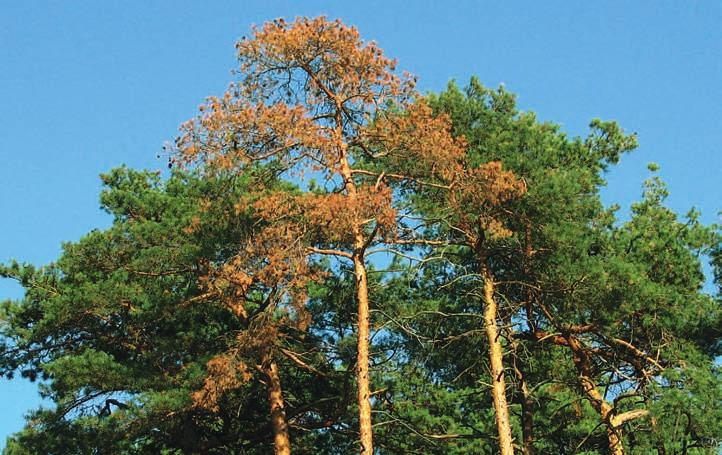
[(496, 357), (583, 363), (362, 360), (363, 331), (281, 441), (605, 410)]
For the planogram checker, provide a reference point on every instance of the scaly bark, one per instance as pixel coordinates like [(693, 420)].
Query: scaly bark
[(496, 358), (362, 359), (279, 425), (363, 331)]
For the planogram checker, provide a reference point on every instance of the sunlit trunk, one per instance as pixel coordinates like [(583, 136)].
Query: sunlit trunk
[(496, 358), (281, 440), (362, 300), (362, 361)]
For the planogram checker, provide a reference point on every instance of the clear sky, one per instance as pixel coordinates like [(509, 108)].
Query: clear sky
[(87, 85)]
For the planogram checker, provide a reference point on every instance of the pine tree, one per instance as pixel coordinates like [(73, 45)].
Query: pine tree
[(335, 241)]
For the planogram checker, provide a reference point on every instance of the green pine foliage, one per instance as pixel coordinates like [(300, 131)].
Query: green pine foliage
[(121, 331)]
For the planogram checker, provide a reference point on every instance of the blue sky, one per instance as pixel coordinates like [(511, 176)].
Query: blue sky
[(86, 86)]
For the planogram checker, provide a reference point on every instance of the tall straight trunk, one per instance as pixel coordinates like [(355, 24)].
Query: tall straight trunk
[(279, 425), (584, 368), (363, 331), (496, 358), (362, 359)]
